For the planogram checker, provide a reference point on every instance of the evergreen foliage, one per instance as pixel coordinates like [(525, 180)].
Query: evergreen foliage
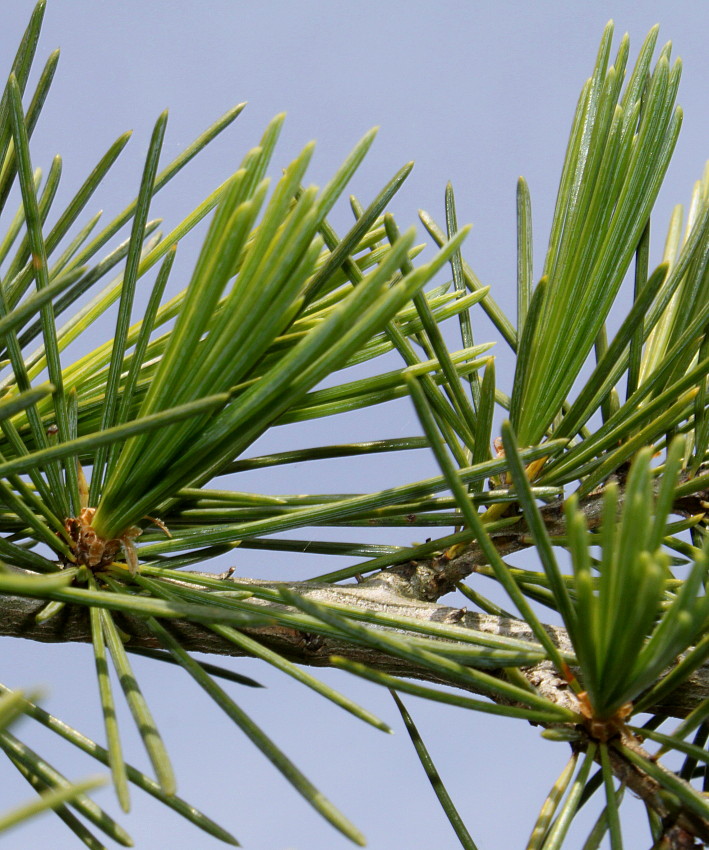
[(107, 463)]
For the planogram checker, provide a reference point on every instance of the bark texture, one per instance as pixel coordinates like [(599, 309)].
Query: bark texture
[(412, 590), (379, 595)]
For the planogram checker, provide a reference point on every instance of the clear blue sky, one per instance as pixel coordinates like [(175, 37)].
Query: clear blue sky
[(476, 93)]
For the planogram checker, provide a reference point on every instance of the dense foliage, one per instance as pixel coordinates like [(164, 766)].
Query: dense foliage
[(107, 463)]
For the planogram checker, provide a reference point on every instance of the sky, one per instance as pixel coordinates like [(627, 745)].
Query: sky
[(476, 93)]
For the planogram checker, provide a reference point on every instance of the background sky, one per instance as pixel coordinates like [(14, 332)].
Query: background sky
[(475, 93)]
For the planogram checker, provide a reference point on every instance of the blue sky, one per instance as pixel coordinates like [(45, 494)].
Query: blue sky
[(475, 93)]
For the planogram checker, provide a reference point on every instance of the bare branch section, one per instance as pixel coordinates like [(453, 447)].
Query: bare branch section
[(409, 590), (17, 619), (430, 579)]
